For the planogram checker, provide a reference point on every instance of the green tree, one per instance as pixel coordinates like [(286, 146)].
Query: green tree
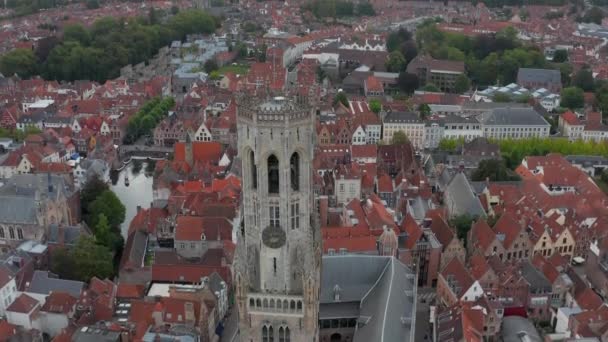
[(431, 88), (493, 169), (408, 82), (375, 105), (63, 264), (560, 56), (399, 138), (109, 205), (584, 80), (18, 61), (501, 97), (396, 62), (601, 99), (341, 98), (366, 9), (215, 75), (77, 33), (462, 84), (92, 4), (92, 189), (210, 65), (424, 110), (593, 15), (91, 260), (344, 8), (103, 233), (604, 176), (462, 223), (572, 97)]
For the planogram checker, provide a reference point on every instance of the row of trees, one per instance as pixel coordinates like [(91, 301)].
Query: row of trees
[(148, 116), (97, 255), (339, 8), (18, 135), (488, 58), (513, 151), (99, 52)]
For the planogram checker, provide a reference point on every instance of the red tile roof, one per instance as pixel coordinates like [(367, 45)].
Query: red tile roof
[(201, 151), (508, 227), (23, 304), (373, 84), (193, 228), (413, 230), (482, 235), (7, 331), (571, 118), (59, 302), (456, 271), (588, 299), (130, 291)]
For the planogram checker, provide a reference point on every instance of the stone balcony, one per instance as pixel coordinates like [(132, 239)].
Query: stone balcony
[(275, 304)]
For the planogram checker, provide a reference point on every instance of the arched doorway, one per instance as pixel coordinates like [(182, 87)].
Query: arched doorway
[(335, 337)]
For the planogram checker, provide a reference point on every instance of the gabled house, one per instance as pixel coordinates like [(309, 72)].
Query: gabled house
[(482, 241), (452, 247), (514, 237), (455, 285)]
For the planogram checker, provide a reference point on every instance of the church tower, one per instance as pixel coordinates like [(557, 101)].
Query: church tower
[(278, 258)]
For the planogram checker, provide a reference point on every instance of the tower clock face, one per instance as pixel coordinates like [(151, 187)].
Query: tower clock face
[(273, 237)]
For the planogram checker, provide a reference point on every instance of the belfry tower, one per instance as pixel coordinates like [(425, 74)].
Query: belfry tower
[(278, 258)]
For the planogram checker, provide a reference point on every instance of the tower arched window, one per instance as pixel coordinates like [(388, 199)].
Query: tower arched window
[(273, 175), (11, 233), (254, 170), (294, 166), (284, 335), (264, 334), (1, 232), (20, 233)]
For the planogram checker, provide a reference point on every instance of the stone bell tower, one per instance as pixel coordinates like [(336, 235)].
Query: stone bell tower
[(278, 258)]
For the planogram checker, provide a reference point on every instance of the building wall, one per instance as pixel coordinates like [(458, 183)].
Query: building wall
[(7, 295), (515, 132), (347, 189), (414, 132), (453, 250), (52, 323), (191, 249)]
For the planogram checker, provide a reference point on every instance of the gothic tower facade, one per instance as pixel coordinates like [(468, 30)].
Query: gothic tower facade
[(278, 257)]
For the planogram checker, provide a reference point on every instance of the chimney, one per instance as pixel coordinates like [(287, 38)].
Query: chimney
[(138, 208), (323, 210)]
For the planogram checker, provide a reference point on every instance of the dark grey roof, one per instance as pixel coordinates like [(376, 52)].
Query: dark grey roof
[(587, 161), (97, 167), (513, 116), (136, 247), (539, 75), (384, 289), (216, 283), (46, 282), (460, 197), (402, 117), (537, 280), (70, 234), (27, 184), (95, 334), (18, 209), (515, 328), (471, 106)]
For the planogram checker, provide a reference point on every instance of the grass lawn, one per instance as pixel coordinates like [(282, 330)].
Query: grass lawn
[(239, 69)]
